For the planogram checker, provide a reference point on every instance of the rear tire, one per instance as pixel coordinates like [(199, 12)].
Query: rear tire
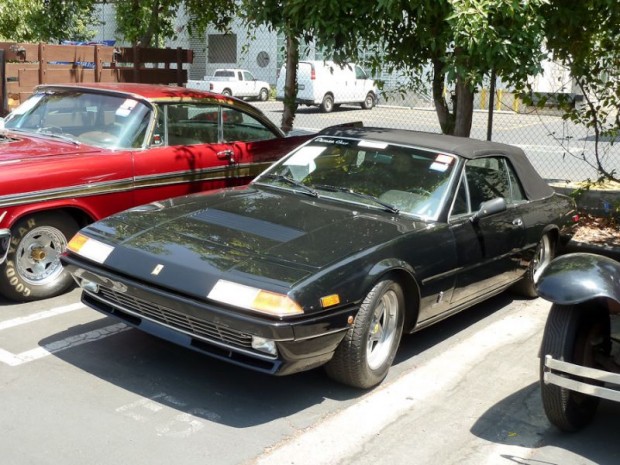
[(366, 353), (263, 95), (545, 252), (369, 102), (327, 106), (575, 334), (32, 270), (227, 93)]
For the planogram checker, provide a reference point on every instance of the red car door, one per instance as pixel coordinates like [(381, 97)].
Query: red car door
[(197, 147)]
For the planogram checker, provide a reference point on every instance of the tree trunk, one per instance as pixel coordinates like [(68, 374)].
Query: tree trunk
[(464, 110), (146, 38), (290, 84), (446, 119)]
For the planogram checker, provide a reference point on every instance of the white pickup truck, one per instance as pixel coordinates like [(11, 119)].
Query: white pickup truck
[(232, 82)]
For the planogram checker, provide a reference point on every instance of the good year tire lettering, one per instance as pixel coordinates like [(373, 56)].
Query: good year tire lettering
[(13, 280)]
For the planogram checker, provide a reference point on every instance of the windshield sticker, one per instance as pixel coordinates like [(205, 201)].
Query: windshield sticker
[(372, 145), (126, 107), (441, 167), (332, 141), (305, 156), (441, 158)]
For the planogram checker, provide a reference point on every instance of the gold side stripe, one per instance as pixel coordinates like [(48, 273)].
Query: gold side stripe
[(141, 182)]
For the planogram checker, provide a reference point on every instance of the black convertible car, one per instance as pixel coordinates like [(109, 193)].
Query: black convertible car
[(331, 254)]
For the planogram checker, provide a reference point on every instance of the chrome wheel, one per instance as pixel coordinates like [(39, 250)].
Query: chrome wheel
[(38, 253), (367, 351), (544, 253), (542, 257), (32, 269), (383, 330)]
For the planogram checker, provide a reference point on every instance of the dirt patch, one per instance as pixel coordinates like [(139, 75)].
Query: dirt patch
[(598, 231)]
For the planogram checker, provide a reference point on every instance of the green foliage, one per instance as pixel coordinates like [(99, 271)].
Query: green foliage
[(46, 21), (585, 37), (152, 22), (463, 40)]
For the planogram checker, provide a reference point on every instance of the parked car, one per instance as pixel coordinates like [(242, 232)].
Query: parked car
[(579, 362), (328, 85), (330, 254), (72, 154), (233, 83)]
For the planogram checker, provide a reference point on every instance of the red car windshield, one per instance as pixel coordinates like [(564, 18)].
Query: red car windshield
[(103, 120)]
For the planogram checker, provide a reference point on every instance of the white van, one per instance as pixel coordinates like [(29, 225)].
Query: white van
[(328, 85)]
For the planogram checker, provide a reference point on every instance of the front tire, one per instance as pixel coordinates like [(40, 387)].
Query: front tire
[(227, 93), (575, 334), (32, 270), (545, 252), (369, 102), (366, 353)]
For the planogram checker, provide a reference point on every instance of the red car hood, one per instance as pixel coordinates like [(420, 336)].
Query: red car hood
[(21, 147)]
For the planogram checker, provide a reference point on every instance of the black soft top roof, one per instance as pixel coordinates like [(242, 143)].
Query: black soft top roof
[(535, 187)]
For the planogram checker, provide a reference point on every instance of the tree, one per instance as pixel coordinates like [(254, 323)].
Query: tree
[(441, 42), (283, 17), (46, 20), (150, 22), (585, 37)]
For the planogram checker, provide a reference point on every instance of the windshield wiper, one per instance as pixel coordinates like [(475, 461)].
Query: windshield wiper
[(293, 182), (389, 207), (50, 132)]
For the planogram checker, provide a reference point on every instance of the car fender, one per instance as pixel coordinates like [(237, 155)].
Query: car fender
[(405, 274), (388, 264), (578, 277), (17, 212)]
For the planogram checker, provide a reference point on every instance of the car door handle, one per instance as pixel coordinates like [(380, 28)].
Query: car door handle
[(517, 222), (226, 155)]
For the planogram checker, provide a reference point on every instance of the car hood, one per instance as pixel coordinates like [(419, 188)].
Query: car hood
[(23, 148), (248, 235)]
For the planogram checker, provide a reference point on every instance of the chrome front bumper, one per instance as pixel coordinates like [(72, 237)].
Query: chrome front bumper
[(555, 372), (5, 240)]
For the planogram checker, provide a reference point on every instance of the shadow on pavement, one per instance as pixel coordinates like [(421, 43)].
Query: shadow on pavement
[(224, 393), (519, 420)]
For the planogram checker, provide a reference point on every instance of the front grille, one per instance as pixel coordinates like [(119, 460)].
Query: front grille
[(166, 315)]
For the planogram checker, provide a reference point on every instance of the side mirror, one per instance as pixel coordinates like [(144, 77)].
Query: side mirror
[(488, 208)]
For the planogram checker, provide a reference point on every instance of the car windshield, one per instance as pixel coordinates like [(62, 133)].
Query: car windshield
[(78, 116), (388, 176)]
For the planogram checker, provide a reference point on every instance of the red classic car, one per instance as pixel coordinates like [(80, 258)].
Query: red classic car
[(72, 154)]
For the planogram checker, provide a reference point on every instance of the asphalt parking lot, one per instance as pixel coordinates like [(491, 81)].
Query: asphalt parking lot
[(80, 388)]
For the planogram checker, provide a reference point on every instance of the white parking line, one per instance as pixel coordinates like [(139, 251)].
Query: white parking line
[(11, 359), (40, 316)]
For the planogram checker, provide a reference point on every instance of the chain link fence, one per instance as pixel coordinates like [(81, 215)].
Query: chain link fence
[(559, 149)]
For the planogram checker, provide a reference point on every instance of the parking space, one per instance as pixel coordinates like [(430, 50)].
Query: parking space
[(79, 388)]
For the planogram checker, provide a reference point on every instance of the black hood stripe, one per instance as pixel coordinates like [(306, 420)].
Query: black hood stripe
[(249, 225)]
